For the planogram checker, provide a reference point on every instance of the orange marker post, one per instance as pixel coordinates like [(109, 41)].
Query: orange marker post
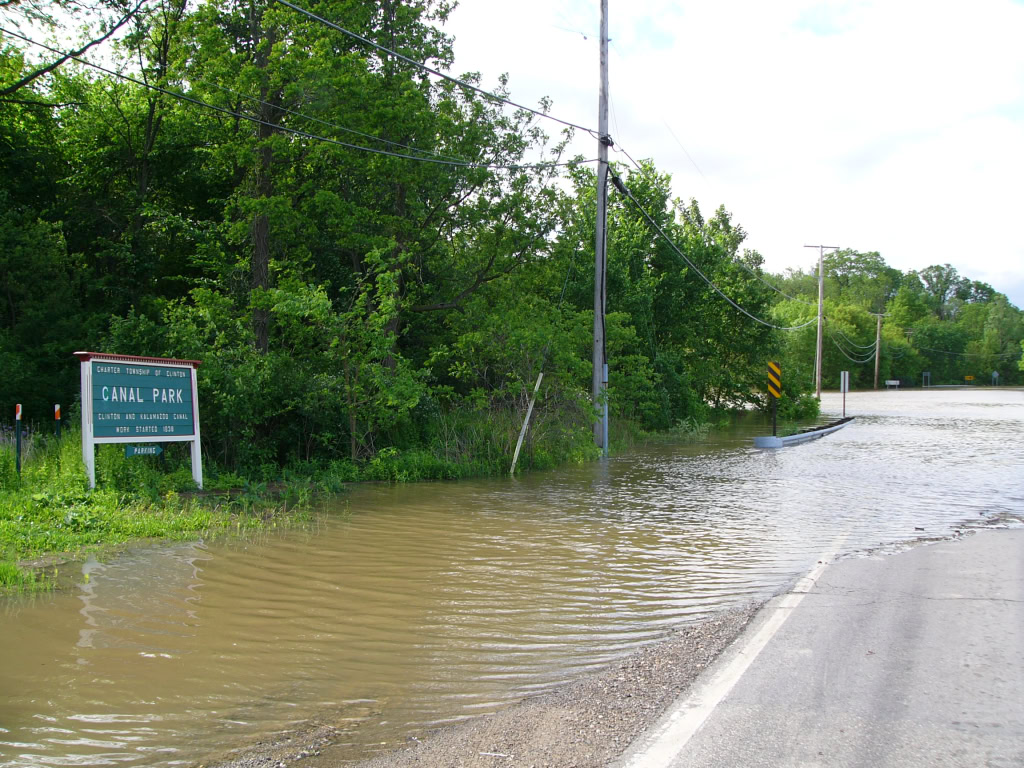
[(17, 439), (56, 417)]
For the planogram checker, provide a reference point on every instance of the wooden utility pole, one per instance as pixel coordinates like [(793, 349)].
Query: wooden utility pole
[(821, 311), (878, 347), (878, 350), (600, 378)]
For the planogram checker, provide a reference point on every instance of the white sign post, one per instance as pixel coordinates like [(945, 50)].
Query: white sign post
[(132, 399), (844, 386)]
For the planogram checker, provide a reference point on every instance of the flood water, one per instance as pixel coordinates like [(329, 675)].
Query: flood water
[(411, 606)]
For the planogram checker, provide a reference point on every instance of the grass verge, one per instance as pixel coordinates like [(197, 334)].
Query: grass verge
[(48, 513)]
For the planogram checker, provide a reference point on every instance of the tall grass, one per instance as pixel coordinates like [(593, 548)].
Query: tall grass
[(49, 509)]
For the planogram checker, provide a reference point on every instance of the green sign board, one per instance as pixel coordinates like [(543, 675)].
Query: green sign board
[(136, 399), (153, 449), (132, 400)]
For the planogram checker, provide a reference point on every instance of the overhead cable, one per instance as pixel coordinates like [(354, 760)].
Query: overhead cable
[(870, 357), (297, 132), (431, 70), (777, 290), (688, 157), (738, 261), (869, 349), (850, 341), (852, 360), (622, 188)]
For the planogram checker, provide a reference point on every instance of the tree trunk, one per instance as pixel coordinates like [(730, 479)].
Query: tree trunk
[(259, 272), (353, 444)]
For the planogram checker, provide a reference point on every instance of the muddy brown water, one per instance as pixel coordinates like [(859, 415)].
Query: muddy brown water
[(407, 607)]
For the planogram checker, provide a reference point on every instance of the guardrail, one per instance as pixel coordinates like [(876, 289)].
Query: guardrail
[(812, 433)]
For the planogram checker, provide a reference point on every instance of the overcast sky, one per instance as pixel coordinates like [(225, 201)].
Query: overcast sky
[(884, 125)]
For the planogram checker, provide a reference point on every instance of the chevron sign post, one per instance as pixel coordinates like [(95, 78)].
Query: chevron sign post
[(774, 389)]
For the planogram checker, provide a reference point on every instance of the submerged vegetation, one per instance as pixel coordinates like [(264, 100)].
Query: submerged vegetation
[(48, 509)]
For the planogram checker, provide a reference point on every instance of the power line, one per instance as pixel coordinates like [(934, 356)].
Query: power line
[(295, 131), (431, 70), (867, 359), (857, 362), (849, 340), (777, 290), (623, 151), (622, 188), (738, 261), (692, 161)]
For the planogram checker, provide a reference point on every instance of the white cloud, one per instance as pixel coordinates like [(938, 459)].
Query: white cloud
[(889, 125)]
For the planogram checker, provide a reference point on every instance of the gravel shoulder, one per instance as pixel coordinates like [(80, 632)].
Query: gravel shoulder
[(584, 724)]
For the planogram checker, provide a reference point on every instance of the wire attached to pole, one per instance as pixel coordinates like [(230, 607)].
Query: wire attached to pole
[(650, 220)]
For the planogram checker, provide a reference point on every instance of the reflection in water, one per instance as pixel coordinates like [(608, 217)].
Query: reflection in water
[(86, 596), (421, 605)]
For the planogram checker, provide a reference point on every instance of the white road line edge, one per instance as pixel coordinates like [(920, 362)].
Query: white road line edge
[(665, 742)]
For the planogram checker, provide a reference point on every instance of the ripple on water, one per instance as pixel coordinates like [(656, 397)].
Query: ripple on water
[(415, 606)]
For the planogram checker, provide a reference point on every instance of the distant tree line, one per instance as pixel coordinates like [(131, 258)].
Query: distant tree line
[(934, 320)]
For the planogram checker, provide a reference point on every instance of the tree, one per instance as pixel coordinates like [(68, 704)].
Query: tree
[(860, 278), (942, 284), (100, 20), (906, 308), (1000, 337), (942, 348)]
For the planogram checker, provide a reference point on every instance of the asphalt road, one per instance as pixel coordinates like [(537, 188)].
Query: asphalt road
[(912, 659)]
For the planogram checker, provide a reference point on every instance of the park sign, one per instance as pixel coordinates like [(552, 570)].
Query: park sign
[(133, 399)]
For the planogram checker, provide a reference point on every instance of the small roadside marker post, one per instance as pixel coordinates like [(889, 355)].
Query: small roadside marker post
[(56, 417), (17, 439), (844, 385), (774, 390)]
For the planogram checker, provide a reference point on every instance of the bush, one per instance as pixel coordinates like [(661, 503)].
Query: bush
[(803, 406)]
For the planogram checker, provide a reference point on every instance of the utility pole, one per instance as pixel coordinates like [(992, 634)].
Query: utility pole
[(878, 347), (878, 344), (821, 311), (600, 378)]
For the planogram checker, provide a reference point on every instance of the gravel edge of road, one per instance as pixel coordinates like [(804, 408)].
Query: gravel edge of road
[(584, 724)]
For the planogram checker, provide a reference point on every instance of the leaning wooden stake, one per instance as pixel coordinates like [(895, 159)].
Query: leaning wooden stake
[(526, 423)]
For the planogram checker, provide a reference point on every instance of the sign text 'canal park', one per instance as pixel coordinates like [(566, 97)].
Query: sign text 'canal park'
[(132, 399), (141, 400)]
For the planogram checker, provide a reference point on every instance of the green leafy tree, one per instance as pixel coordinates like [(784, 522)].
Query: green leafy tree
[(906, 308), (860, 278), (943, 287)]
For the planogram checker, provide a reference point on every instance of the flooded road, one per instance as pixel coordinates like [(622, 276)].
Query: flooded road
[(412, 606)]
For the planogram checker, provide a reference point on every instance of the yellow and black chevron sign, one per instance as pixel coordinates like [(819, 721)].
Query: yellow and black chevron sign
[(775, 380)]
